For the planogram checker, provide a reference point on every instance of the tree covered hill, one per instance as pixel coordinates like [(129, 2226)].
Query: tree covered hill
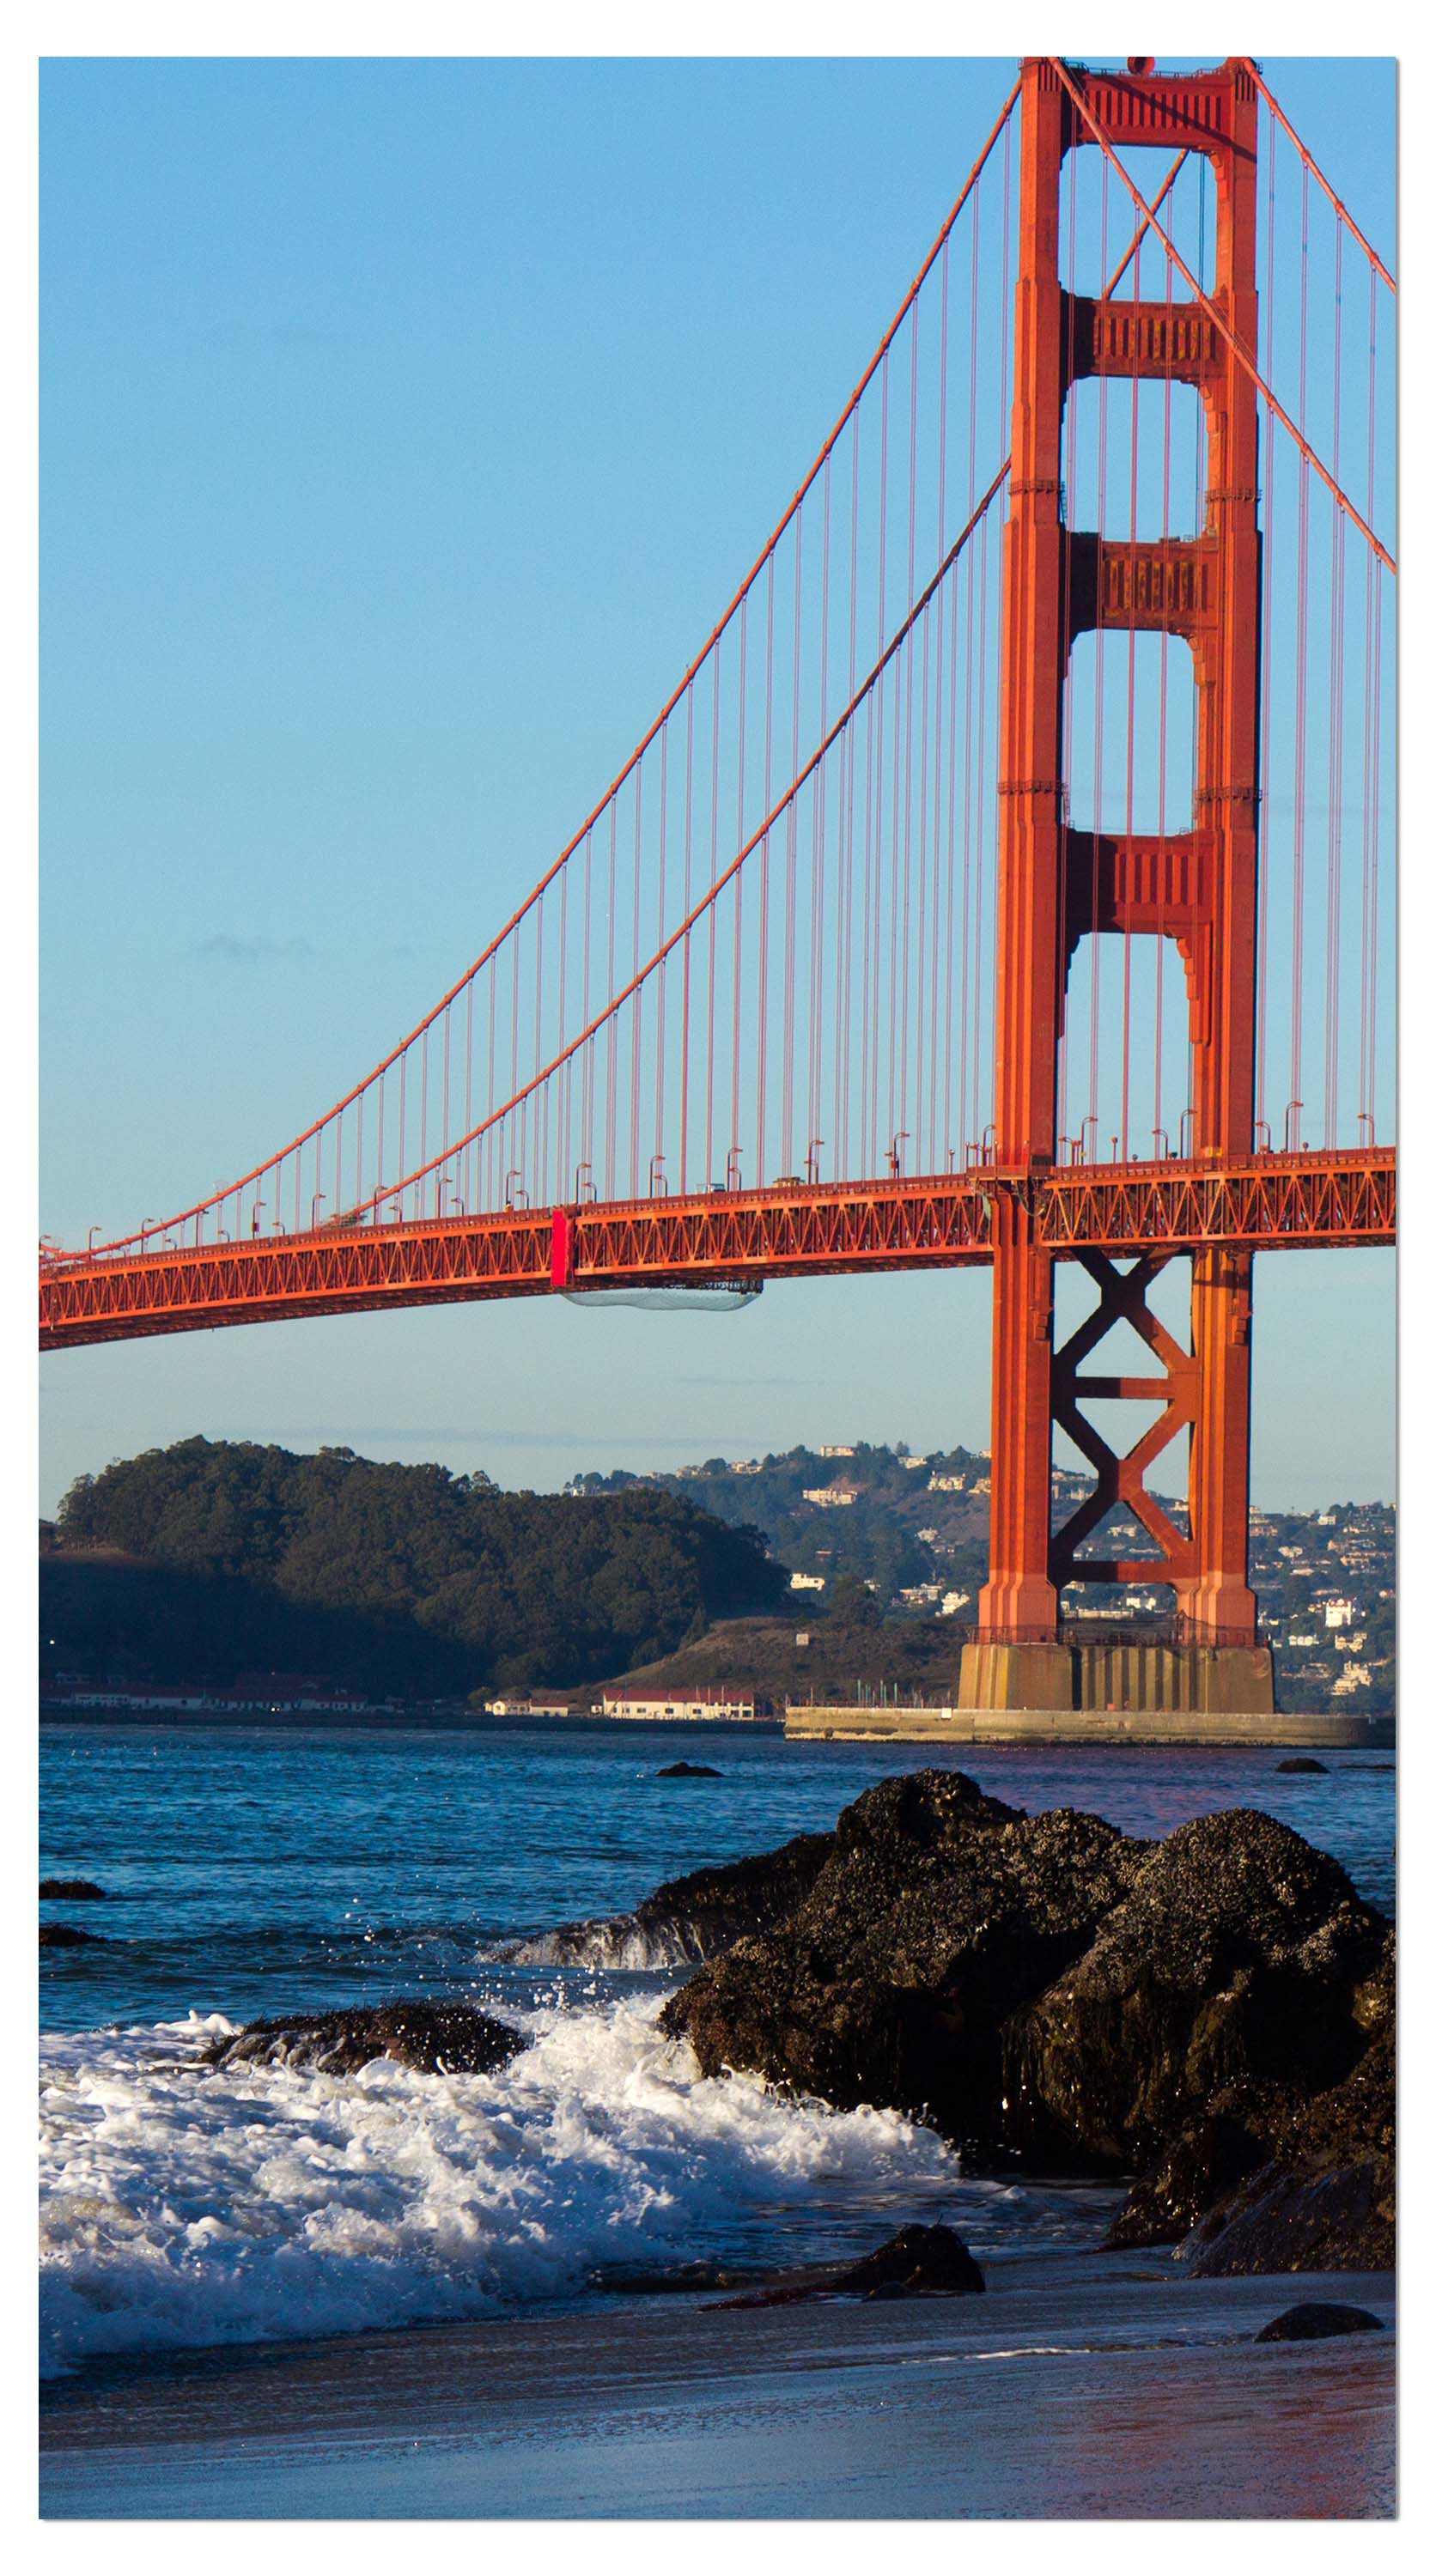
[(903, 1519), (209, 1558)]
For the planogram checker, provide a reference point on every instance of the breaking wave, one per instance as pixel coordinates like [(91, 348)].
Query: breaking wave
[(611, 1941), (187, 2206)]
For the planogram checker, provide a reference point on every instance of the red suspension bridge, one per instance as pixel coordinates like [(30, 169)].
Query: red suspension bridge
[(1007, 879)]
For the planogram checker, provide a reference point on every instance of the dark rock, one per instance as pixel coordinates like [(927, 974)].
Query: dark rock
[(638, 2280), (68, 1936), (1237, 1959), (1204, 2163), (1215, 2011), (1316, 2317), (919, 2262), (688, 1771), (686, 1920), (918, 2259), (77, 1890), (937, 1912), (1303, 1762), (436, 2038), (1339, 2221), (1324, 2196)]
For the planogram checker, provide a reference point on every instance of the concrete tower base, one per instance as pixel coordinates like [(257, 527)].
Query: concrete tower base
[(1131, 1680)]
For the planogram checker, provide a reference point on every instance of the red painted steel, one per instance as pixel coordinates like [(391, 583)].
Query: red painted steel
[(1266, 1202), (1056, 886)]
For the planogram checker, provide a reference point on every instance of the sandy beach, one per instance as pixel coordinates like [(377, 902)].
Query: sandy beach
[(1079, 2386)]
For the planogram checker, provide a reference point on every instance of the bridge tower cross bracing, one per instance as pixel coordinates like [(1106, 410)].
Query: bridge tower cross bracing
[(1057, 885)]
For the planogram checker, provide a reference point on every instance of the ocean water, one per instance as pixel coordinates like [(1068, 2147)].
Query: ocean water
[(265, 1870)]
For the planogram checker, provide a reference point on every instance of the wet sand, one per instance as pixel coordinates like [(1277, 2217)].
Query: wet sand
[(1079, 2386)]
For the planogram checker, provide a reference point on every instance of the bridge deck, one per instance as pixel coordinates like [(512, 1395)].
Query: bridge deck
[(1268, 1202)]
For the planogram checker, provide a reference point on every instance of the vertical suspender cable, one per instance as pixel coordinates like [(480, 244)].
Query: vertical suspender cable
[(1366, 1103), (636, 1038), (1268, 589), (764, 880), (687, 945), (873, 1001), (816, 984), (735, 1135), (661, 1013), (1336, 719), (939, 1124), (1303, 549), (1069, 504), (790, 878), (712, 923)]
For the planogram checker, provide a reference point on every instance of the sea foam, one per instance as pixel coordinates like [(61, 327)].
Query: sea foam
[(185, 2206)]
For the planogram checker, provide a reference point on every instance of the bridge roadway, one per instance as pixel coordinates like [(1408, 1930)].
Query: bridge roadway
[(1264, 1203)]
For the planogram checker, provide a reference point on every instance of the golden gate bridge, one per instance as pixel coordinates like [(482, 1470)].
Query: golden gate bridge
[(1002, 882)]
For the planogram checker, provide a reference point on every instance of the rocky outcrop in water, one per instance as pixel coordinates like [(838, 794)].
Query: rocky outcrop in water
[(436, 2038), (1213, 2011), (1315, 2318), (68, 1936), (75, 1891), (1235, 1960), (917, 2263), (936, 1914), (687, 1920)]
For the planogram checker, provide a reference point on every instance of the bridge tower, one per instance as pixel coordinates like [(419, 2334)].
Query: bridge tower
[(1058, 885)]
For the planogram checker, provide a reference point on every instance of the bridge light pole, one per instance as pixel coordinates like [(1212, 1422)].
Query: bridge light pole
[(579, 1171), (1290, 1106), (1166, 1146), (254, 1220), (895, 1152), (731, 1174), (317, 1201), (814, 1143)]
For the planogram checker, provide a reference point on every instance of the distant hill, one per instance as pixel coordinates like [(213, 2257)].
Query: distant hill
[(905, 1521), (212, 1558), (917, 1526), (910, 1659)]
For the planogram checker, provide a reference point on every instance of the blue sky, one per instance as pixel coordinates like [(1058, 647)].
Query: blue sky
[(404, 426)]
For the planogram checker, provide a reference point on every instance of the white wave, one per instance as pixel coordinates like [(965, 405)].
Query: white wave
[(184, 2205), (610, 1941)]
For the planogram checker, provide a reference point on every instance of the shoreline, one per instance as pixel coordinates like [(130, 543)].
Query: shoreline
[(1078, 2386)]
